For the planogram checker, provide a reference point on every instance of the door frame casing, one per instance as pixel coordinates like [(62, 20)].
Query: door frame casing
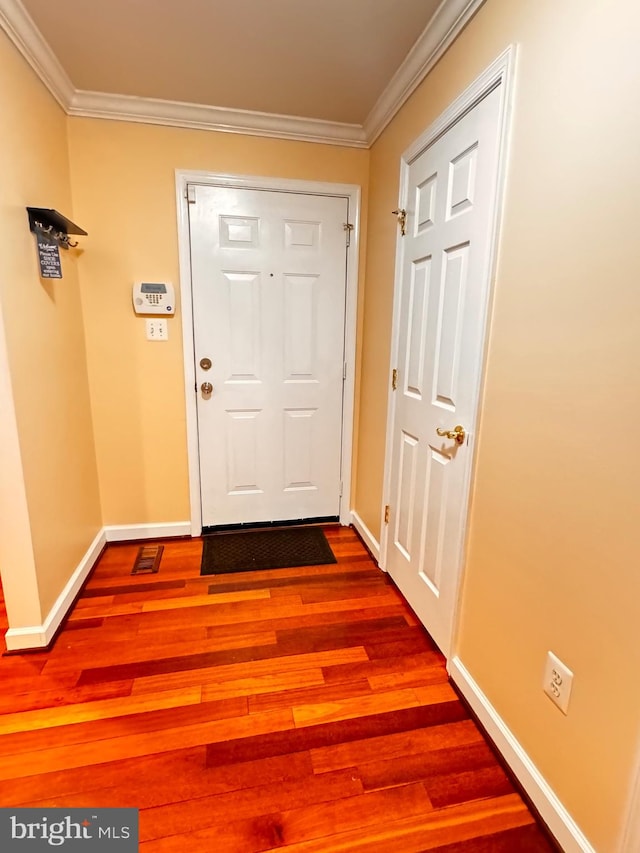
[(500, 73), (351, 192)]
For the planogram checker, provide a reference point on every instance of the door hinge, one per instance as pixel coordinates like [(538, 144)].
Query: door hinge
[(401, 213), (344, 370), (348, 227), (394, 379), (341, 488), (191, 193), (386, 514)]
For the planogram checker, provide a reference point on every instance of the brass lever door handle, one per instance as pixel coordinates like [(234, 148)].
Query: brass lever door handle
[(457, 434), (401, 213)]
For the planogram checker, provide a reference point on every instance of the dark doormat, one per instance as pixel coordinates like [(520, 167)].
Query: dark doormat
[(251, 550)]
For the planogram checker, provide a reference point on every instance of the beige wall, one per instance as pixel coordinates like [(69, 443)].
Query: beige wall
[(48, 489), (17, 566), (554, 541), (123, 179)]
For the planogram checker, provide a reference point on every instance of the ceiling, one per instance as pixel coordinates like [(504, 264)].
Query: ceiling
[(321, 64)]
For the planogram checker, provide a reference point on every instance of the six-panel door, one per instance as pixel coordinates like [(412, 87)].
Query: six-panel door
[(268, 277), (443, 279)]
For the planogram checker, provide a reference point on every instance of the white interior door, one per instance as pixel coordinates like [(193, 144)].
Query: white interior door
[(268, 281), (443, 279)]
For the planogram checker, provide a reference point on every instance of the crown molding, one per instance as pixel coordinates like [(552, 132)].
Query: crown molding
[(448, 22), (204, 117), (19, 26)]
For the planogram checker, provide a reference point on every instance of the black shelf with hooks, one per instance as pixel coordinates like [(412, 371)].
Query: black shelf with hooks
[(47, 221)]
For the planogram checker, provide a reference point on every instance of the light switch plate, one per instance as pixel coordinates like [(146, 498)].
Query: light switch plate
[(157, 330)]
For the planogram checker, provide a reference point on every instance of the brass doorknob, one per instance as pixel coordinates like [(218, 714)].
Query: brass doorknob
[(206, 388), (457, 434)]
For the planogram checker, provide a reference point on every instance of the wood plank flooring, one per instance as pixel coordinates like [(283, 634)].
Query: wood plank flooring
[(293, 709)]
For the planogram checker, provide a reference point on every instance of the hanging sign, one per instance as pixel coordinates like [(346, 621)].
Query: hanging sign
[(48, 256)]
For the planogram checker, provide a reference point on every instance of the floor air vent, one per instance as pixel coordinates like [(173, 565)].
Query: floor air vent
[(148, 559)]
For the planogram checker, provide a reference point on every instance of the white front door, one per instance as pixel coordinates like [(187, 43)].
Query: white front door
[(268, 280), (443, 280)]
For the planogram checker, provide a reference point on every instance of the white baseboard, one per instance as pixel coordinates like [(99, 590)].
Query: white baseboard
[(630, 840), (564, 828), (369, 539), (38, 636), (128, 532)]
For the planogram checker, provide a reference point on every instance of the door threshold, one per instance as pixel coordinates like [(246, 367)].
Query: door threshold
[(267, 525)]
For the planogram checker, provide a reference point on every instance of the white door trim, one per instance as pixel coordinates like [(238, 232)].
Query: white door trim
[(499, 73), (349, 191)]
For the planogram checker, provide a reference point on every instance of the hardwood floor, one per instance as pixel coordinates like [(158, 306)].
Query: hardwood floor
[(296, 709)]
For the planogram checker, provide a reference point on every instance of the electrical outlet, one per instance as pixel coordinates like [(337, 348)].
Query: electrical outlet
[(157, 330), (557, 682)]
